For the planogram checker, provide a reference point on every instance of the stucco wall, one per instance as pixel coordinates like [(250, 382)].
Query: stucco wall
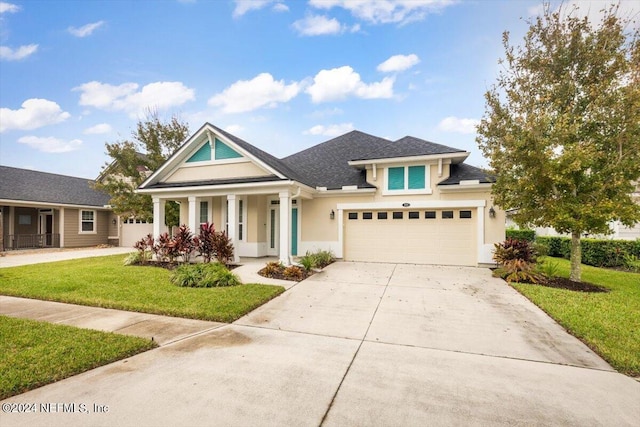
[(205, 172)]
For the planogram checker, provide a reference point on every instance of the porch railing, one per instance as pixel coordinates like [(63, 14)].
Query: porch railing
[(32, 241)]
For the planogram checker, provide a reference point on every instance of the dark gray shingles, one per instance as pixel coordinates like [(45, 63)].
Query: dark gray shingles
[(326, 164), (407, 147), (34, 186), (460, 172)]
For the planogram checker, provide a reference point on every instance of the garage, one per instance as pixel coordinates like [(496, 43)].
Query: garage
[(426, 236)]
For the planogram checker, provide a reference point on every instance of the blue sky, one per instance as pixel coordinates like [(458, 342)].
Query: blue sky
[(283, 75)]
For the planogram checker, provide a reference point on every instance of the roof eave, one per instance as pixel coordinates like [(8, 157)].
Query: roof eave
[(457, 157), (465, 187)]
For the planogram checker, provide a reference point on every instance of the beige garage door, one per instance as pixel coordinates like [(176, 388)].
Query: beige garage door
[(445, 236)]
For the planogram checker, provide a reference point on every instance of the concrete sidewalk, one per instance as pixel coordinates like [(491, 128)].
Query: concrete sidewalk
[(39, 256)]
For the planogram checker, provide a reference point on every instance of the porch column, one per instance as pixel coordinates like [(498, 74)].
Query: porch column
[(61, 226), (158, 216), (285, 226), (232, 220), (193, 214)]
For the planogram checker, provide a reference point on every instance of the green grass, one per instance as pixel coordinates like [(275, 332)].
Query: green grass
[(33, 353), (609, 323), (105, 282)]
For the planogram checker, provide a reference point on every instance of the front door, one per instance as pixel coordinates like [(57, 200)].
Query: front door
[(273, 230), (46, 228)]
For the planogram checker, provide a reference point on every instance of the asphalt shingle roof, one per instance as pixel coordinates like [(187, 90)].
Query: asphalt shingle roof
[(407, 147), (462, 172), (326, 164), (34, 186)]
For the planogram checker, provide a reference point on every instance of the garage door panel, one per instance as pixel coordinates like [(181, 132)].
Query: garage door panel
[(411, 240)]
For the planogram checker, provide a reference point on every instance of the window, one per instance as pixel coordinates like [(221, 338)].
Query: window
[(447, 214), (382, 215), (204, 212), (240, 218), (87, 221), (430, 214), (465, 214), (367, 215), (353, 215), (407, 178), (396, 179), (414, 215), (398, 215), (223, 151)]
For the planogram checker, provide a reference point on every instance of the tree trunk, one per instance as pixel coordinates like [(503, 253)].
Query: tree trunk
[(576, 257)]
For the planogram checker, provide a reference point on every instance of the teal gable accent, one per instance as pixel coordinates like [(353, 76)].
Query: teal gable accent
[(416, 177), (294, 231), (202, 155), (223, 151), (396, 179)]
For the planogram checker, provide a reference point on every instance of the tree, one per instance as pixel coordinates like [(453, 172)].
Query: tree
[(561, 127), (153, 141)]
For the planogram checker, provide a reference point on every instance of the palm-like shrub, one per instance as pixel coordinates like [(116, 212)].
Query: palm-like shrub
[(517, 261)]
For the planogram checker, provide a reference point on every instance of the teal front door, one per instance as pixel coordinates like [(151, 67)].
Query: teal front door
[(294, 231)]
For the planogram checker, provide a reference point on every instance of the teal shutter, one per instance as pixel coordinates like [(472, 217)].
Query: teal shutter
[(294, 231), (396, 179), (416, 177), (223, 151), (203, 154)]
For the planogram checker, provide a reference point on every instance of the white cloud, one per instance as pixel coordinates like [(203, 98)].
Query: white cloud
[(398, 63), (248, 95), (317, 25), (126, 97), (98, 129), (85, 30), (233, 129), (244, 6), (340, 83), (458, 125), (8, 7), (386, 11), (35, 113), (22, 52), (50, 144), (331, 130)]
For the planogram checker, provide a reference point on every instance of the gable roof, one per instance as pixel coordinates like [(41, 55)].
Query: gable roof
[(325, 164), (33, 186), (463, 172)]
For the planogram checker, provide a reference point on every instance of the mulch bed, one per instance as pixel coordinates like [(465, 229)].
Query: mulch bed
[(280, 275), (563, 283)]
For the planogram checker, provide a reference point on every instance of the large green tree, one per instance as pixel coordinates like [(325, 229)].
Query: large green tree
[(151, 143), (561, 127)]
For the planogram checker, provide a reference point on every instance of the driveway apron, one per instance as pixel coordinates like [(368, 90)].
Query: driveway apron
[(361, 344)]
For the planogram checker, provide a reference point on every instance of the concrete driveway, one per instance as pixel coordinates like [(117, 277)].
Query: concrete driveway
[(361, 344)]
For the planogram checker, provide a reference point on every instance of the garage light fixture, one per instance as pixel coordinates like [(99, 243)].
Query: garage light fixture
[(114, 221), (492, 212), (332, 215)]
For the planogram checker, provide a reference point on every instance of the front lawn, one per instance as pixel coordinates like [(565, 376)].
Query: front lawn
[(609, 322), (105, 282), (33, 354)]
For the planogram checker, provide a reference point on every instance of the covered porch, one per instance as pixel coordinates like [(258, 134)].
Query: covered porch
[(260, 220), (30, 227)]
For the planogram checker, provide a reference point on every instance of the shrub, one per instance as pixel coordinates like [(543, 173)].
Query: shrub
[(308, 261), (323, 258), (165, 248), (145, 248), (293, 272), (183, 243), (528, 235), (632, 263), (596, 252), (549, 268), (272, 269), (223, 248), (136, 258), (204, 276), (518, 270), (512, 249), (205, 242)]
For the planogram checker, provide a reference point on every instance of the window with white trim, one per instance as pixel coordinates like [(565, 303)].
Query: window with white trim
[(413, 179), (204, 212), (87, 222)]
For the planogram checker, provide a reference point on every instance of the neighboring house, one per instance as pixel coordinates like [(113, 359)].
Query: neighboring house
[(39, 209), (130, 230), (364, 198)]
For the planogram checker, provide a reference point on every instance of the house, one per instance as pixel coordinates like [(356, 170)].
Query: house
[(39, 209), (363, 197)]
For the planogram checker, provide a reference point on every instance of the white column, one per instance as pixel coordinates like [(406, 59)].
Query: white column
[(285, 226), (61, 226), (193, 214), (158, 216), (232, 220)]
